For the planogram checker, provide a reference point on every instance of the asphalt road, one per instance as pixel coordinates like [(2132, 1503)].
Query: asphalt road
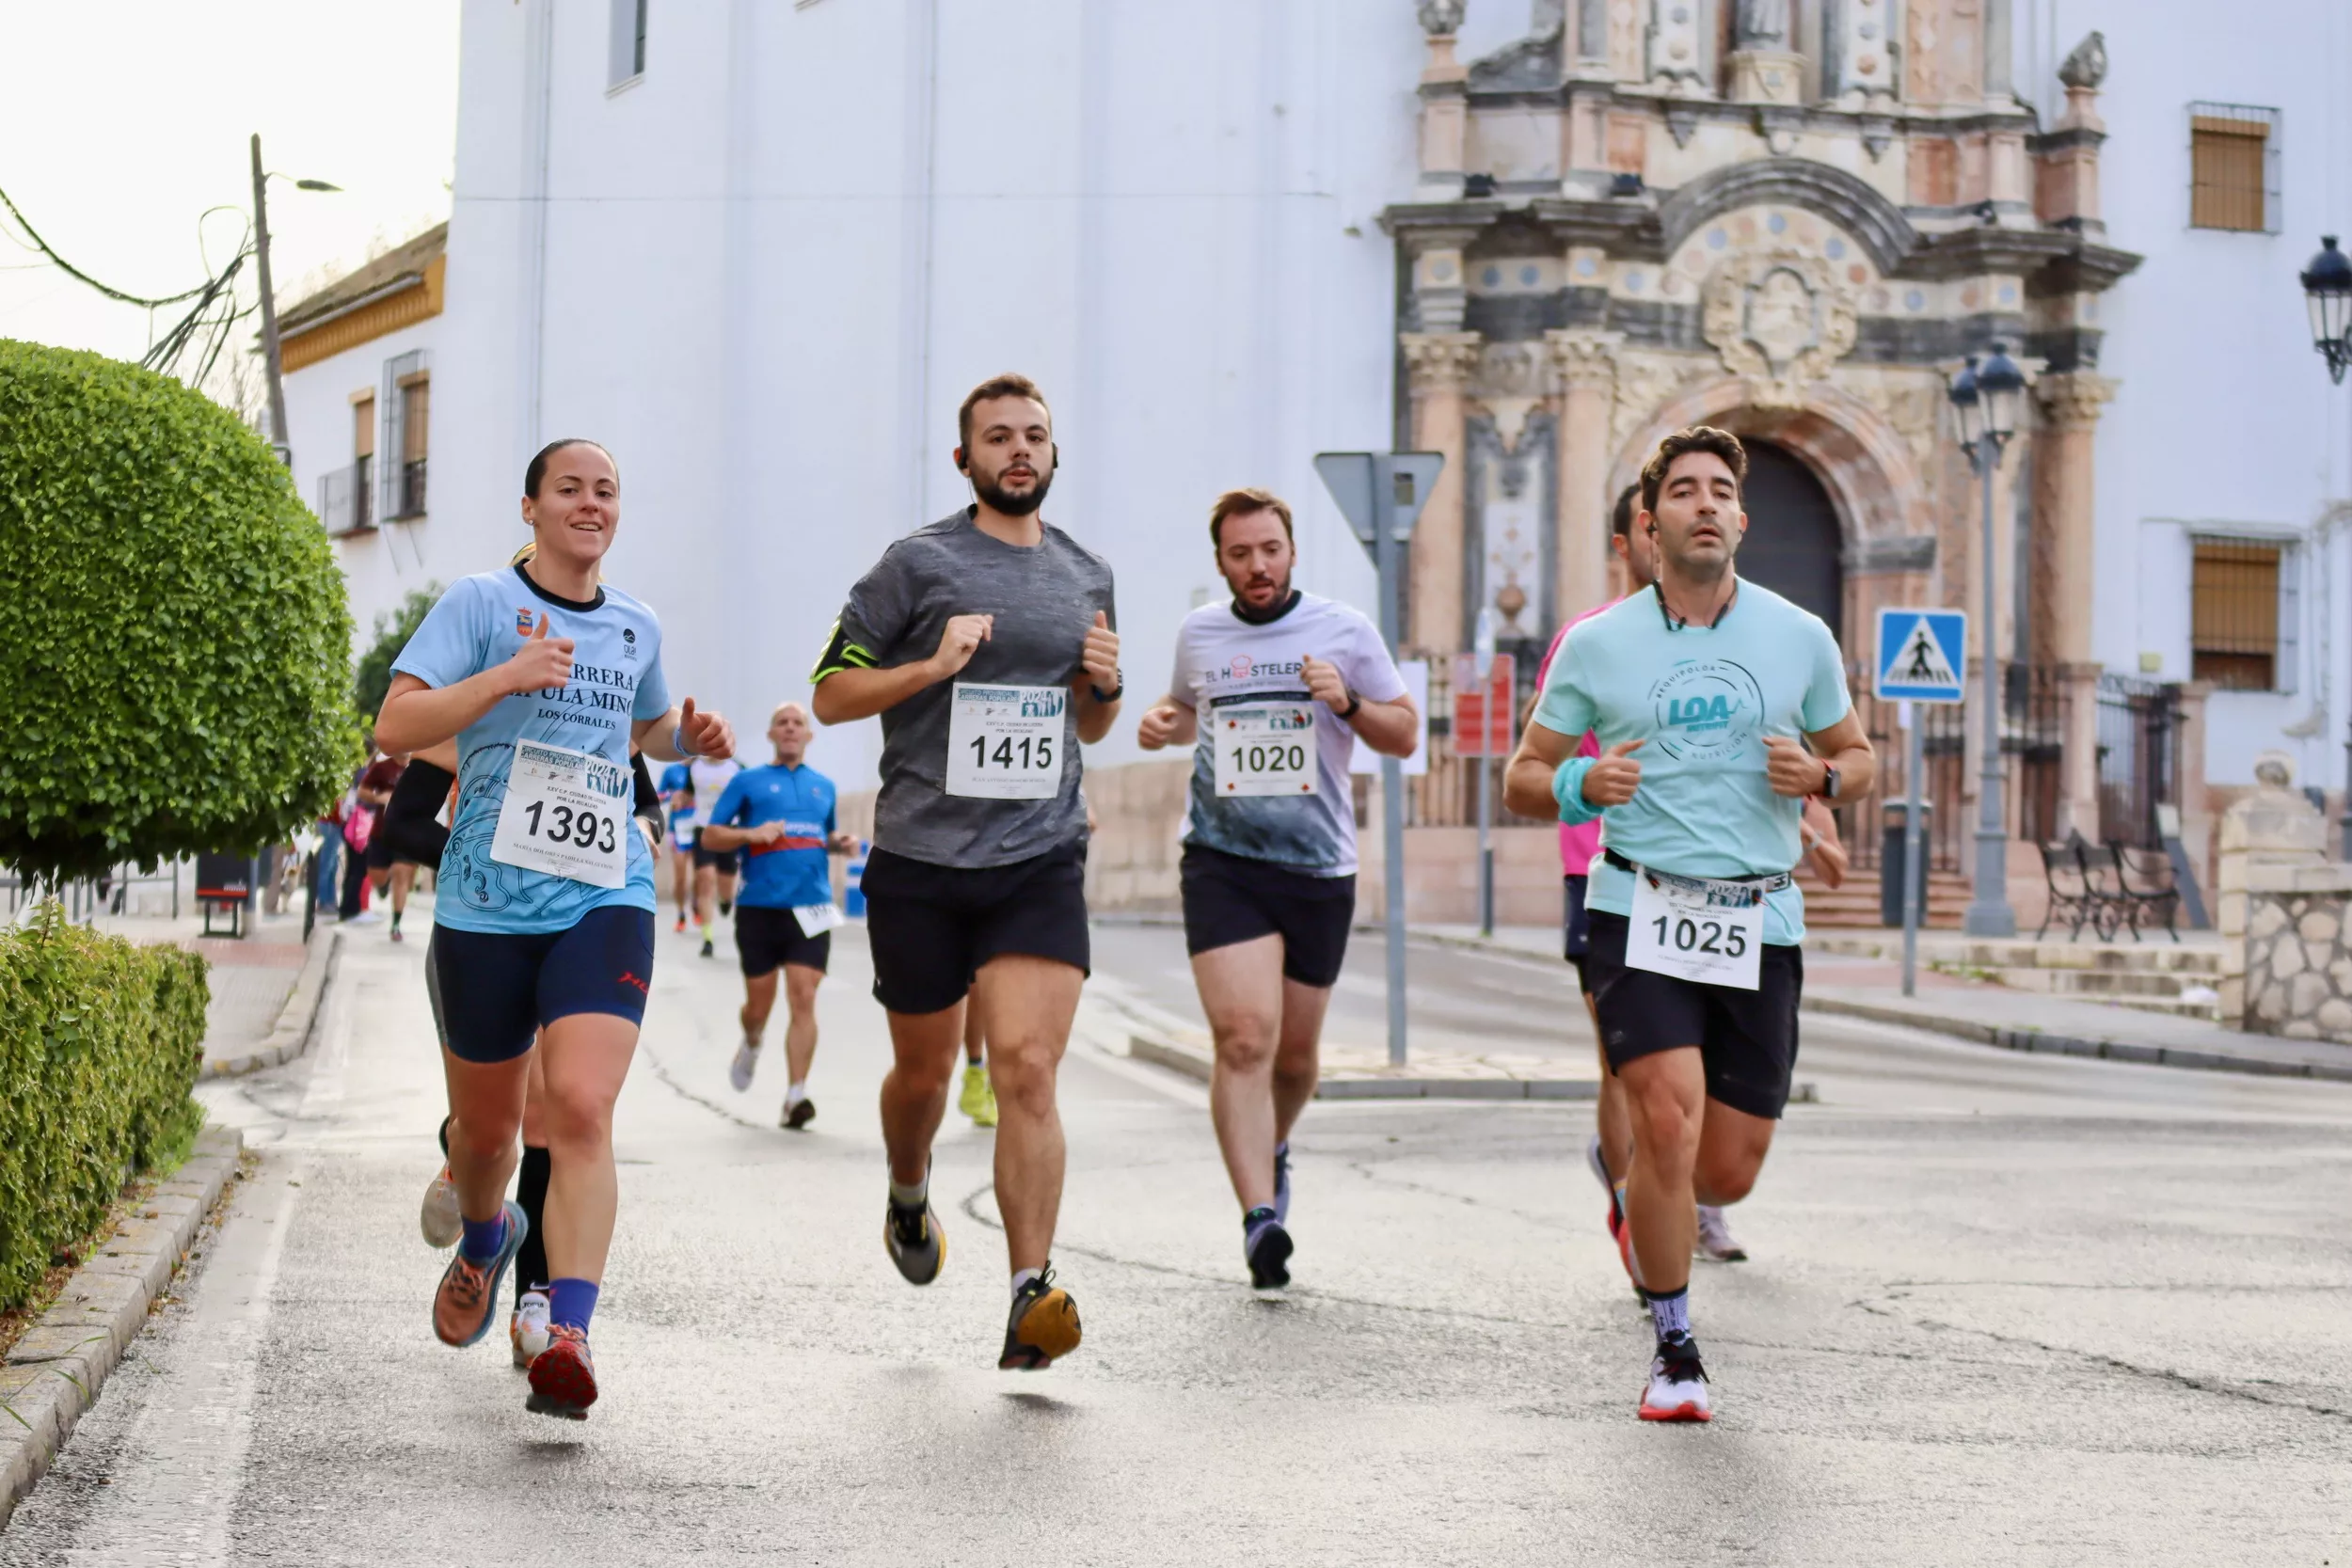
[(2001, 1308)]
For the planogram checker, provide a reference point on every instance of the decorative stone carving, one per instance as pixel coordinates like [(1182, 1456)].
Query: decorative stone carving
[(1858, 44), (1762, 24), (1910, 401), (2071, 399), (1440, 16), (1625, 38), (2087, 67), (1780, 318), (1646, 382), (1440, 361), (1584, 359), (1674, 47), (1512, 379)]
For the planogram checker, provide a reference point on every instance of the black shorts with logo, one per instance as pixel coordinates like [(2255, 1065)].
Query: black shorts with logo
[(1233, 898), (497, 989), (727, 860), (1576, 939), (933, 926), (1747, 1040), (765, 938)]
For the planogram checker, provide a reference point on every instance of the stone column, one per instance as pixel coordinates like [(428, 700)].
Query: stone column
[(2078, 769), (1438, 366), (1586, 363), (2062, 505), (1444, 106), (2066, 161), (2196, 805)]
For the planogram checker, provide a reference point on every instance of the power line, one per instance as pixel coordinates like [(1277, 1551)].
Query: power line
[(50, 251)]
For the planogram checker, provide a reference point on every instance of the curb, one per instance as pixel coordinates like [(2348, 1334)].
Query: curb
[(54, 1372), (2040, 1042), (1195, 1064), (290, 1037)]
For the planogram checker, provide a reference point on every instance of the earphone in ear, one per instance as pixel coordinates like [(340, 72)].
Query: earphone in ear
[(957, 456)]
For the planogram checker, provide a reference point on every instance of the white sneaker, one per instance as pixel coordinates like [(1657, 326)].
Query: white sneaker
[(440, 1219), (527, 1329), (1715, 1236), (746, 1063), (1678, 1385), (365, 917)]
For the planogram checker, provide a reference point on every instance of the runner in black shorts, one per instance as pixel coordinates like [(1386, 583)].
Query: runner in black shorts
[(544, 916), (987, 644), (1735, 700), (1271, 689), (781, 819)]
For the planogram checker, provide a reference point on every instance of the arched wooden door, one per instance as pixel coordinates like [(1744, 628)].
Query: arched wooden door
[(1794, 546)]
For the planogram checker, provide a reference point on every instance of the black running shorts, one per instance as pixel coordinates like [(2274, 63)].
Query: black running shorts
[(499, 988), (728, 861), (766, 938), (1233, 898), (933, 926), (1747, 1040), (1575, 935)]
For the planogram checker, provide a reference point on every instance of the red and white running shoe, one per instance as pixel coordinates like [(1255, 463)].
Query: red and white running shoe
[(563, 1376), (1677, 1385)]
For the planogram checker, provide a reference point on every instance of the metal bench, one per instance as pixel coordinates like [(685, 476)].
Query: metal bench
[(2150, 890), (2076, 894)]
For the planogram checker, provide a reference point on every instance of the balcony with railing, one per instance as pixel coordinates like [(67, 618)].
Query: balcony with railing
[(408, 487), (346, 497)]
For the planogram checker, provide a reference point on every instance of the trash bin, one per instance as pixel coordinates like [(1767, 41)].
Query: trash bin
[(1891, 862)]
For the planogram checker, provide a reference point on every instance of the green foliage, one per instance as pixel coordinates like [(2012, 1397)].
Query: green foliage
[(173, 634), (100, 1043), (393, 629)]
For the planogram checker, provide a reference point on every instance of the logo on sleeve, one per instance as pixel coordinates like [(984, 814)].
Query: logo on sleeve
[(628, 638), (524, 624)]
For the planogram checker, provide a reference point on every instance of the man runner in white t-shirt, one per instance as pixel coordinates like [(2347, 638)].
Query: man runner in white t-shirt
[(1286, 681)]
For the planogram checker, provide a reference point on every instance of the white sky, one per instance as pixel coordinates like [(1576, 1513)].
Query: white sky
[(121, 122)]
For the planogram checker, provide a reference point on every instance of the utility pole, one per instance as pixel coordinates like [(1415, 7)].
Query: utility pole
[(269, 312)]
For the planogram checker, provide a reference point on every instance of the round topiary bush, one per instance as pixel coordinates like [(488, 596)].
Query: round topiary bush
[(174, 639)]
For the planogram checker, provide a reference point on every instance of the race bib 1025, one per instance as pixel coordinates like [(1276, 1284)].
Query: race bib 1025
[(1696, 928)]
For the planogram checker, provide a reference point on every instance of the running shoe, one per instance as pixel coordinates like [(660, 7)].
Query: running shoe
[(527, 1328), (465, 1303), (396, 936), (1599, 1167), (439, 1219), (978, 1098), (563, 1376), (365, 917), (708, 951), (916, 1243), (1282, 1182), (1677, 1384), (680, 926), (746, 1063), (798, 1114), (1267, 1246), (1043, 1326), (726, 909), (1715, 1239)]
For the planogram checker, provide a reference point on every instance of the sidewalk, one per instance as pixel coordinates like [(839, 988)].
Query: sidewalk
[(1854, 986), (265, 985)]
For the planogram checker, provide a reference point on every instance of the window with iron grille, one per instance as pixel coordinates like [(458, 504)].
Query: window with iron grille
[(400, 471), (2242, 613), (2233, 168)]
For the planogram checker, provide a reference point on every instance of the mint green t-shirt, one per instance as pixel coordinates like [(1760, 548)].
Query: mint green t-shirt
[(1703, 700)]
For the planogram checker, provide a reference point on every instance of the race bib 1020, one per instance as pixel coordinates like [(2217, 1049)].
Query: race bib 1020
[(1006, 742), (1264, 749)]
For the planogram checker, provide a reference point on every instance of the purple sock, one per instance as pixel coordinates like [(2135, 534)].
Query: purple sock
[(483, 1238), (573, 1302)]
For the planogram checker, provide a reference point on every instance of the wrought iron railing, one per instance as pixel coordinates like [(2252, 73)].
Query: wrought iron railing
[(346, 499), (411, 488)]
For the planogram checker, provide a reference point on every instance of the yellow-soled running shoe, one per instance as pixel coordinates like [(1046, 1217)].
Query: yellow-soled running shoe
[(978, 1098), (1044, 1328)]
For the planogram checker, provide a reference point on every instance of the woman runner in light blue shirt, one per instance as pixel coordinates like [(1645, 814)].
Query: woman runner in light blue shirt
[(545, 917)]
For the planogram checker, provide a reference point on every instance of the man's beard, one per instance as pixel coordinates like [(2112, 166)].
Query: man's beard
[(1241, 589), (999, 499)]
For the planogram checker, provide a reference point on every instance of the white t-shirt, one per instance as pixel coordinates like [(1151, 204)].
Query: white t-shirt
[(709, 777), (1223, 660)]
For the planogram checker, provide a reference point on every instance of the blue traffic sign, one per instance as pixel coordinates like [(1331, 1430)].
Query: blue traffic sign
[(1923, 655)]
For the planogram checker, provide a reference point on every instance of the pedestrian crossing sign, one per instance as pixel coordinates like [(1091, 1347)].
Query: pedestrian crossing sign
[(1923, 655)]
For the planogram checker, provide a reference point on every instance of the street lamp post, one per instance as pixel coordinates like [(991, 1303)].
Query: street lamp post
[(269, 301), (2327, 292), (1985, 397)]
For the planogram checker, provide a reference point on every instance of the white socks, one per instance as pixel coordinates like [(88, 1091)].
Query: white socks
[(794, 1095), (1022, 1278)]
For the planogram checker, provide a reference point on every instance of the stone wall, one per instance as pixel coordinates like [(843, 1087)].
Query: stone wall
[(2286, 953)]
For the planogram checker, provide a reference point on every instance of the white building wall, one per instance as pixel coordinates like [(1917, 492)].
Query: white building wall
[(2225, 419), (381, 566), (775, 262)]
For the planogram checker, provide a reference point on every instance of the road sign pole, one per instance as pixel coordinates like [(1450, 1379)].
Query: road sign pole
[(1384, 494), (1912, 870)]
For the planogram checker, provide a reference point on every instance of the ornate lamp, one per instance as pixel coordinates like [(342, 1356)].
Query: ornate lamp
[(1968, 406), (2327, 290)]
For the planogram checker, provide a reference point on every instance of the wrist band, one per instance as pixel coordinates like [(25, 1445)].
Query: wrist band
[(677, 741)]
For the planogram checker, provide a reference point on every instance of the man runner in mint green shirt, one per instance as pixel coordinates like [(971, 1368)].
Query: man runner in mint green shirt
[(1719, 707)]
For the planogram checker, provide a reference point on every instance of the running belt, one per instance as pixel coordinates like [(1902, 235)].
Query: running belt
[(1771, 884)]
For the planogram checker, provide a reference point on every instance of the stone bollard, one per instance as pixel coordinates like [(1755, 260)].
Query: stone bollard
[(2286, 953)]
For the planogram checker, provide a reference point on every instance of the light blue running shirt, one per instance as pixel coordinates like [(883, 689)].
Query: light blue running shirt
[(616, 678), (1703, 701)]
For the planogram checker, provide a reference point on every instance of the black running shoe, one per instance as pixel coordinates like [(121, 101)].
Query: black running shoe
[(916, 1243), (1044, 1328), (1268, 1250), (708, 951), (800, 1114)]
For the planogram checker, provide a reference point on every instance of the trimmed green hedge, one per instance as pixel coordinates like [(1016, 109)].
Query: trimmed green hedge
[(100, 1043), (174, 638)]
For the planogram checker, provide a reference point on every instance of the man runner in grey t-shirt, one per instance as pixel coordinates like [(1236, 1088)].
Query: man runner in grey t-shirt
[(988, 644)]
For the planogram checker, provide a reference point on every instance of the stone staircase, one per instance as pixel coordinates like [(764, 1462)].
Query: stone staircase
[(1855, 904), (2156, 976)]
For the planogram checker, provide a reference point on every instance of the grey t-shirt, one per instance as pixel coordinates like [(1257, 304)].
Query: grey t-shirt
[(1044, 597)]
